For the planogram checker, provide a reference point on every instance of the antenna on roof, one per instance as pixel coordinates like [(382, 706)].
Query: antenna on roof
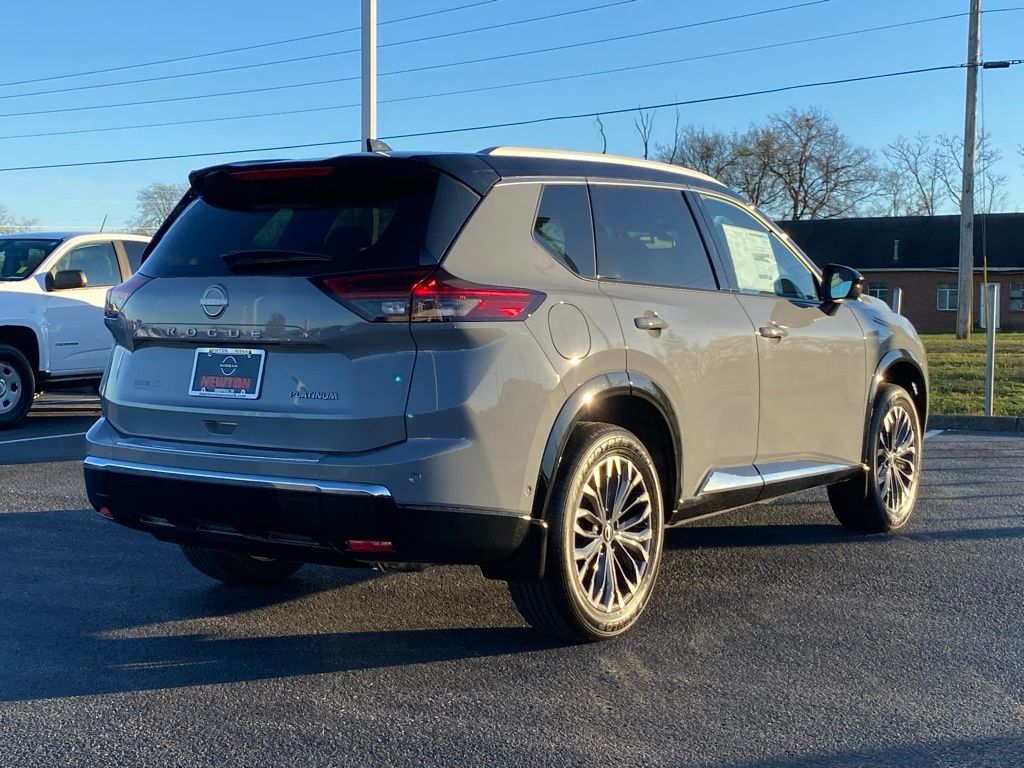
[(376, 145)]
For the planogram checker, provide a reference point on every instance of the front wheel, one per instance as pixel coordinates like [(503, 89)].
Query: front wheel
[(233, 568), (883, 498), (606, 527), (17, 386)]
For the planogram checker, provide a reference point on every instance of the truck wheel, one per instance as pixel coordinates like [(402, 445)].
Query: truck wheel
[(233, 568), (606, 528), (17, 386), (882, 499)]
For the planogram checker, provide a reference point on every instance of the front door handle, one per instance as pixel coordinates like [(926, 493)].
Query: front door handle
[(650, 323), (773, 331)]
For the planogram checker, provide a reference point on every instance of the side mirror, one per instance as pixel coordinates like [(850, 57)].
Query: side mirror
[(67, 279), (839, 283)]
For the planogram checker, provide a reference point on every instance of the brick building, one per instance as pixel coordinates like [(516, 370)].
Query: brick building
[(919, 254)]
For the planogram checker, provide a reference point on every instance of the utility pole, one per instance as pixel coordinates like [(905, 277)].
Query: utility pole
[(966, 278), (369, 73)]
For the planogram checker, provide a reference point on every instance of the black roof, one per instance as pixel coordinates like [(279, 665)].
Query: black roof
[(925, 242), (481, 170)]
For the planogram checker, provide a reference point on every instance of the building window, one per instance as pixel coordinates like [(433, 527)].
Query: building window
[(1017, 297), (879, 291), (948, 297)]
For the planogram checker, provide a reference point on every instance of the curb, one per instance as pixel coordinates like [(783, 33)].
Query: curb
[(977, 423)]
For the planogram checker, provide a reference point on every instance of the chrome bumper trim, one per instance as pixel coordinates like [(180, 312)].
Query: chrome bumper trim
[(230, 478)]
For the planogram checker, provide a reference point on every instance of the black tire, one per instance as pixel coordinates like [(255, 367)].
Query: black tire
[(233, 568), (861, 504), (559, 604), (17, 386)]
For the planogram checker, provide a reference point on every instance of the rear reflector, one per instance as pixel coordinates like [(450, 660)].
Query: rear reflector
[(269, 174), (106, 513), (362, 545), (119, 294), (425, 296)]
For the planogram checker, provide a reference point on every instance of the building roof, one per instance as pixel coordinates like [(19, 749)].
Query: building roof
[(925, 242)]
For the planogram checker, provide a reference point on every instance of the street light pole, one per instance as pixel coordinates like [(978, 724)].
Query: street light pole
[(369, 72), (966, 277)]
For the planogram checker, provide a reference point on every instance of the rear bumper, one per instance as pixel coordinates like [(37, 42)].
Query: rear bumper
[(306, 520)]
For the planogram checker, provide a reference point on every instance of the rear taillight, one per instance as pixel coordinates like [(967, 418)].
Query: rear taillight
[(119, 294), (429, 295)]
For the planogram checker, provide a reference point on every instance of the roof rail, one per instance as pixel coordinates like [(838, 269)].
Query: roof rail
[(593, 157)]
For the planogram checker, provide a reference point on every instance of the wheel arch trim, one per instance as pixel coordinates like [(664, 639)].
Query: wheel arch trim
[(885, 364), (573, 411)]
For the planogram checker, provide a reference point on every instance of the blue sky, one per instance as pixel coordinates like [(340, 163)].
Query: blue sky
[(46, 38)]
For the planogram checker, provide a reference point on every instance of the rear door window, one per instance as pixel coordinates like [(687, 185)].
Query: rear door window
[(648, 236), (133, 250), (366, 214), (564, 226)]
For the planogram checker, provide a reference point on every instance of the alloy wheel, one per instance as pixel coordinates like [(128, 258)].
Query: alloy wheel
[(896, 460), (613, 534)]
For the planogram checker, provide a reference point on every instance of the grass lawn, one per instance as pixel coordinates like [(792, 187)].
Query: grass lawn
[(957, 372)]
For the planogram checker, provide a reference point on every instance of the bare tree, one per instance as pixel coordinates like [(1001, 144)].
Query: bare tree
[(604, 139), (11, 224), (989, 186), (918, 170), (644, 122), (708, 151), (154, 204), (821, 172)]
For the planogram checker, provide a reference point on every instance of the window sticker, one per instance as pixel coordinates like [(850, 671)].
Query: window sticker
[(752, 258)]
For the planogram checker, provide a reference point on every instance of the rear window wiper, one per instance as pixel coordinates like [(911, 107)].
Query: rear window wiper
[(271, 258)]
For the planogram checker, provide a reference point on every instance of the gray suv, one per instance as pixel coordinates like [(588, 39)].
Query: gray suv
[(526, 360)]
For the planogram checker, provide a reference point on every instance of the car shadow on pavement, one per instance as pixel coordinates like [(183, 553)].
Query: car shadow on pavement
[(119, 612)]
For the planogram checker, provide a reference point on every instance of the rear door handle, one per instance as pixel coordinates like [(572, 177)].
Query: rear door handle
[(650, 323), (773, 331)]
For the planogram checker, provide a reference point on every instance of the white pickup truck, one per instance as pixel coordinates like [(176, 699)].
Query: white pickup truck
[(52, 290)]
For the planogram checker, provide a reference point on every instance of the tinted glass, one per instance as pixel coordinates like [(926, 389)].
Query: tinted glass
[(649, 236), (133, 249), (366, 215), (564, 226), (20, 257), (761, 263), (98, 261)]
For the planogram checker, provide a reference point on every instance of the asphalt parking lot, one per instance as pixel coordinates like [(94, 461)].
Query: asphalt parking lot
[(775, 639)]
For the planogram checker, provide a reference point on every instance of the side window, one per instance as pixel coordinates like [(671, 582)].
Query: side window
[(648, 236), (564, 226), (97, 260), (133, 249), (761, 262)]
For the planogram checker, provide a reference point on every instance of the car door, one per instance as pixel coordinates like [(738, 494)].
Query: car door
[(79, 341), (812, 362), (692, 340)]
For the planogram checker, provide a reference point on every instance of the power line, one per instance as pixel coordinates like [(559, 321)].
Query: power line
[(336, 80), (315, 56), (480, 89), (489, 126), (256, 46)]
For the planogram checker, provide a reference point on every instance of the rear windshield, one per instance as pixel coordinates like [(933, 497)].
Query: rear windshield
[(20, 257), (366, 214)]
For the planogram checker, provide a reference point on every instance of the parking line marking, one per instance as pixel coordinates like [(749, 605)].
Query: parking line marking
[(933, 433), (44, 437)]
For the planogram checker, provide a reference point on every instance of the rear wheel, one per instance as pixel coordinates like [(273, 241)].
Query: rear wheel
[(883, 498), (233, 568), (606, 526), (17, 386)]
